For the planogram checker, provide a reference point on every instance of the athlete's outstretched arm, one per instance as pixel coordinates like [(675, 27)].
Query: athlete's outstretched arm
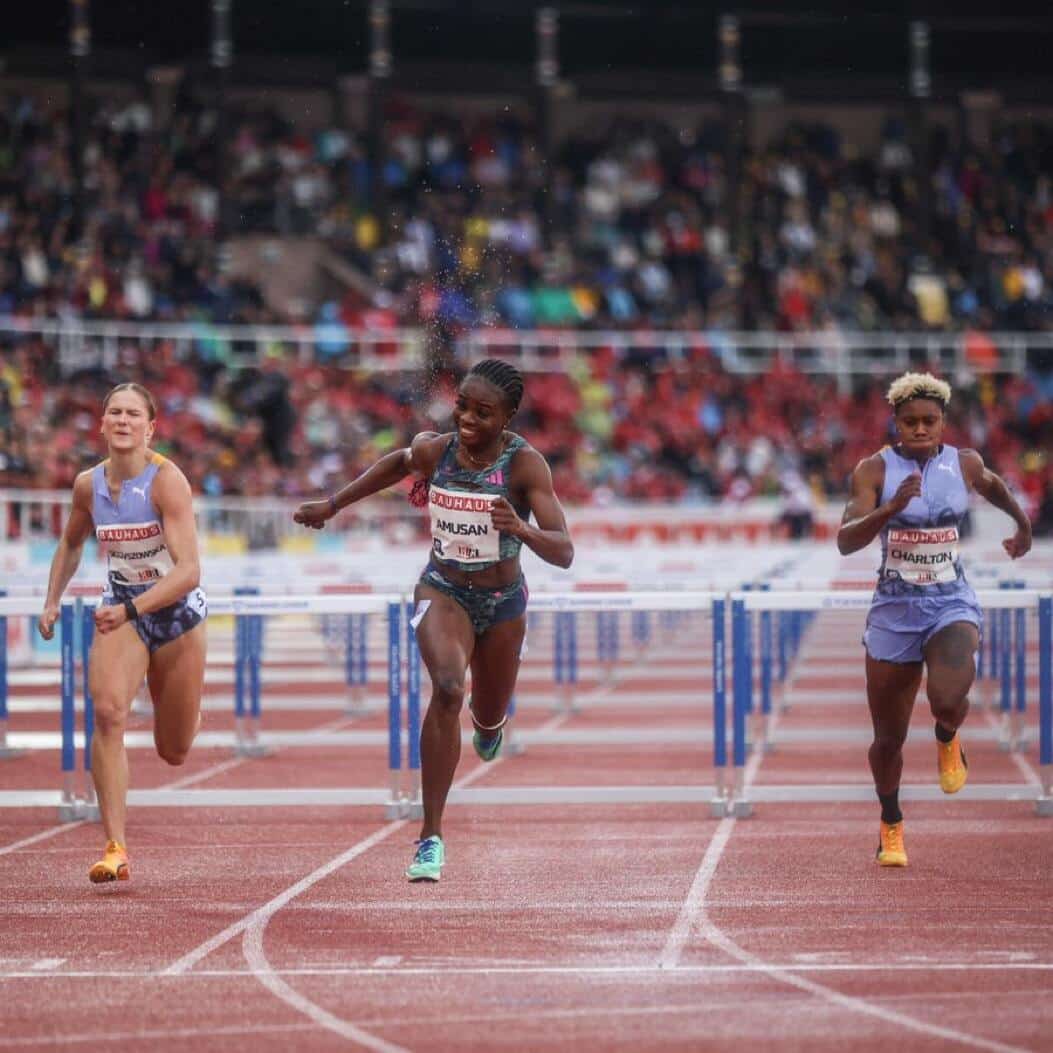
[(67, 556), (419, 457), (550, 539), (864, 517), (992, 487), (175, 508)]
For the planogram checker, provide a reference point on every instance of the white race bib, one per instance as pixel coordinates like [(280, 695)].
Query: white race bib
[(923, 555), (137, 552), (461, 528)]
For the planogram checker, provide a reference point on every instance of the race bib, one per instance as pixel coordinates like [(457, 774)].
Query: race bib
[(137, 552), (923, 556), (461, 529)]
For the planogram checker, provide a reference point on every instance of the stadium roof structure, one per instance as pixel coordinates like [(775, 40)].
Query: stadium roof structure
[(815, 51)]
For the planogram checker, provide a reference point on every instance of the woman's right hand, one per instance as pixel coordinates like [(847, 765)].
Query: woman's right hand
[(314, 514), (905, 493), (46, 622)]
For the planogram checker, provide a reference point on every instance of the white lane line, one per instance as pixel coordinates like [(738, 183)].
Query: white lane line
[(206, 773), (694, 910), (689, 912), (252, 947), (584, 969), (255, 956), (42, 836), (191, 958), (694, 905), (715, 936), (252, 941), (79, 1038)]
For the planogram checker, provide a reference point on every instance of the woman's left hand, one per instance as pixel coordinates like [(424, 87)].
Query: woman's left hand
[(504, 517), (110, 617)]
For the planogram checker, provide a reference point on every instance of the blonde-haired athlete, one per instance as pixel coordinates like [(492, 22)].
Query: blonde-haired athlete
[(914, 495), (151, 619)]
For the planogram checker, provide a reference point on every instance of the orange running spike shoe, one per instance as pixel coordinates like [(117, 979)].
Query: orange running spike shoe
[(891, 852), (112, 867), (952, 765)]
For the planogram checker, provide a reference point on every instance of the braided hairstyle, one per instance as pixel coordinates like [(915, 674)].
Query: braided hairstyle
[(508, 380)]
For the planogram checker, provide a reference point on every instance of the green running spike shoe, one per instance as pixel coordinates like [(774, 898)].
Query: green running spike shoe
[(428, 860), (487, 749)]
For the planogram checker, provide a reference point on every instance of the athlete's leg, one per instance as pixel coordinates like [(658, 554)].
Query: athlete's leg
[(446, 640), (176, 677), (951, 667), (495, 666), (117, 665), (891, 688)]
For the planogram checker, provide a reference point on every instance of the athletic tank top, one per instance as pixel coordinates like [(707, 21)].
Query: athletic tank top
[(459, 501), (919, 546), (130, 531)]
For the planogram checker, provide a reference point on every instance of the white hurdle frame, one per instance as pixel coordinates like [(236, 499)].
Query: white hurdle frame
[(744, 602)]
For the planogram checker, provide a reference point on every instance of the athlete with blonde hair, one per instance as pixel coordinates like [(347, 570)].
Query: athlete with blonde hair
[(924, 613), (150, 622)]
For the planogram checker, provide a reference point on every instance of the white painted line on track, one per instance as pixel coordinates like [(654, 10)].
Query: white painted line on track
[(694, 910), (203, 950), (719, 939), (584, 969), (252, 947), (112, 1036), (256, 923), (43, 835)]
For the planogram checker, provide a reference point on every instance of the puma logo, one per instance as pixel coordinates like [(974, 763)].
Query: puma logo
[(946, 468), (141, 491)]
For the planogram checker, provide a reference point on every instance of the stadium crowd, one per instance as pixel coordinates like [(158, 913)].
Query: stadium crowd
[(631, 235)]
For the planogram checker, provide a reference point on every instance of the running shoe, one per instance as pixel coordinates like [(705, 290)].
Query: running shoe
[(891, 852), (112, 867), (428, 860), (488, 748), (953, 767)]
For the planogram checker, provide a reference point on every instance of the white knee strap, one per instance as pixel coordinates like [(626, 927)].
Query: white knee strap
[(482, 727)]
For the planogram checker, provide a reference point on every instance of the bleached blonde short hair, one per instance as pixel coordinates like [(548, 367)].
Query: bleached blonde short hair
[(918, 386)]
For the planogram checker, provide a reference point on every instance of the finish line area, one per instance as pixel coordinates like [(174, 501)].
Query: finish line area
[(683, 824)]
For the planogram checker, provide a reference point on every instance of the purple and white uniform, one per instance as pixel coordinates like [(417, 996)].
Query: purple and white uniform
[(921, 584), (131, 535)]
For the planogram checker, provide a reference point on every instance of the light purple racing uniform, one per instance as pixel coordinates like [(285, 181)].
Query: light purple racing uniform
[(921, 584), (137, 555)]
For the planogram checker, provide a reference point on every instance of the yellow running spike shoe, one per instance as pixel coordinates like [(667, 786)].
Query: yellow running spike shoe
[(953, 767), (112, 867), (891, 852)]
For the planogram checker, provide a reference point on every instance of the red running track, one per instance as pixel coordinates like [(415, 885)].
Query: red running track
[(554, 928)]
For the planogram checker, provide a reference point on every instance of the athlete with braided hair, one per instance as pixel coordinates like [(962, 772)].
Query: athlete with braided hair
[(924, 613), (481, 484)]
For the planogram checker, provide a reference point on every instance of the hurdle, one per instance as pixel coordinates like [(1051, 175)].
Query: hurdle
[(1007, 657), (76, 624), (565, 608), (6, 752)]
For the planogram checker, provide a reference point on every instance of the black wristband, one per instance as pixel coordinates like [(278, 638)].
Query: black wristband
[(332, 505), (129, 609)]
